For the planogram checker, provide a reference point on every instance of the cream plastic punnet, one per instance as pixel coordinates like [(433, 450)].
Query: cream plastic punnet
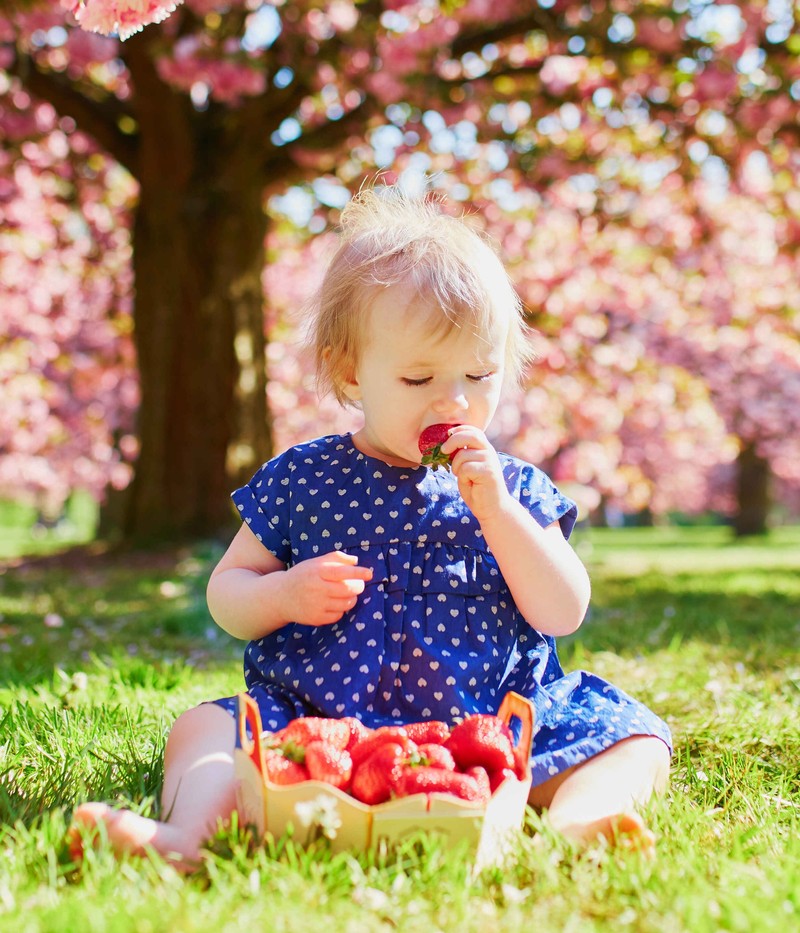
[(488, 831)]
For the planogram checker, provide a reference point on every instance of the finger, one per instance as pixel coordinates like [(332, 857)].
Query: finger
[(339, 608), (354, 587), (327, 618), (340, 557), (470, 458), (333, 611), (339, 600), (336, 572), (463, 438)]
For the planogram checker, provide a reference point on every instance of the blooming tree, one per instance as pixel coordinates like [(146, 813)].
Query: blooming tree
[(123, 18), (219, 109), (692, 345), (645, 387), (67, 372)]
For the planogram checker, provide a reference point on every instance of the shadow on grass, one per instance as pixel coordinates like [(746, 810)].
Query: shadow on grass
[(147, 612), (140, 628), (138, 612)]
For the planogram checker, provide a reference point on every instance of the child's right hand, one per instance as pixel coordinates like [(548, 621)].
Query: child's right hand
[(324, 588)]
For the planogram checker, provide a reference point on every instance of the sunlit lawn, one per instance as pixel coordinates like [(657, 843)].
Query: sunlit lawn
[(98, 654)]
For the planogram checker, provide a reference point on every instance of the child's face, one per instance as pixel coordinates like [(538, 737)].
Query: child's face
[(410, 375)]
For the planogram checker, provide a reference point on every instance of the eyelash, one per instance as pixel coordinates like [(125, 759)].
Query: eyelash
[(421, 382)]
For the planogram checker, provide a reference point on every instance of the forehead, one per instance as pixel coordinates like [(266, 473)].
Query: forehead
[(401, 322)]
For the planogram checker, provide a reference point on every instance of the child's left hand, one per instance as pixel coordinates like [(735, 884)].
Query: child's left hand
[(477, 468)]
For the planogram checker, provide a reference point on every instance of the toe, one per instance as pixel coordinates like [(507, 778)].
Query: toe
[(84, 819), (630, 832)]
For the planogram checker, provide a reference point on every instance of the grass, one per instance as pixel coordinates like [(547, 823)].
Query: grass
[(24, 530), (99, 654)]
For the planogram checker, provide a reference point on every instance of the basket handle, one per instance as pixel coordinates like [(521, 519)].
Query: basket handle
[(514, 704), (248, 713)]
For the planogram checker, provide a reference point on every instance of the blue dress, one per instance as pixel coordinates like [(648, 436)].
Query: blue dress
[(436, 633)]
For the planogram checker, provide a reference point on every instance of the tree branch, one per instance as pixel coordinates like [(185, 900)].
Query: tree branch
[(595, 32), (274, 106), (470, 41), (97, 118), (318, 139), (332, 131)]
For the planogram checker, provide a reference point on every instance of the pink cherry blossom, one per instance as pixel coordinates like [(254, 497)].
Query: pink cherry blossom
[(559, 73), (119, 17), (665, 301)]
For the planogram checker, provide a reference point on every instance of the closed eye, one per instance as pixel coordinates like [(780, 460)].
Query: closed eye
[(416, 382), (473, 377)]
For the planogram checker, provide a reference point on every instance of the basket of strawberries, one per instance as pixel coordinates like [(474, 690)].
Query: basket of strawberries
[(360, 786)]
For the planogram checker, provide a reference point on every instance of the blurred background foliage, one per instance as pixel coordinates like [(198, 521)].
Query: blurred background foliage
[(168, 203)]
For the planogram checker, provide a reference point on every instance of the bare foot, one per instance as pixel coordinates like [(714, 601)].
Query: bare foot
[(624, 830), (131, 834)]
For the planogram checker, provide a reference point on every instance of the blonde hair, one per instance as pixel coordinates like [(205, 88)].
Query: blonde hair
[(389, 237)]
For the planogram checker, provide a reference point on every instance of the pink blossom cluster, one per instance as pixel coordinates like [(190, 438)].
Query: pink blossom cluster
[(290, 280), (123, 18), (411, 51), (194, 61), (668, 321), (663, 345), (616, 402), (67, 371)]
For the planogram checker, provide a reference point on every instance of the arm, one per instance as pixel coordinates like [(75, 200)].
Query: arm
[(251, 593), (544, 574)]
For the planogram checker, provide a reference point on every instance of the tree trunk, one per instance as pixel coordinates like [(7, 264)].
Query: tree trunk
[(752, 493), (198, 257)]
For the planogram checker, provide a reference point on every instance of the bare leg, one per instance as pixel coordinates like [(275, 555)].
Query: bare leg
[(600, 797), (199, 791)]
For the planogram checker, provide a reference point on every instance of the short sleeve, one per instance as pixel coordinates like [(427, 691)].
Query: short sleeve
[(264, 503), (543, 500)]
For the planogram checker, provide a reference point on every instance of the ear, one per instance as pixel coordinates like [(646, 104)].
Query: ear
[(351, 387), (345, 378)]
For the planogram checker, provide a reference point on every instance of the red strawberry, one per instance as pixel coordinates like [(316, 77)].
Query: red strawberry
[(425, 780), (381, 736), (313, 729), (482, 780), (330, 764), (436, 756), (483, 740), (496, 778), (358, 731), (374, 779), (430, 445), (282, 770), (424, 733)]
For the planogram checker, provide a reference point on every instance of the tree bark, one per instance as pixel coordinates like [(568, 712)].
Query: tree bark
[(752, 493), (198, 258)]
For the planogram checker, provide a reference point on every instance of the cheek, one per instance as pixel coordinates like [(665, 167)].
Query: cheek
[(352, 390), (485, 393), (489, 400)]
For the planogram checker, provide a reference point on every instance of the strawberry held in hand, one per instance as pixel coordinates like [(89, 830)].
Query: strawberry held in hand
[(430, 446)]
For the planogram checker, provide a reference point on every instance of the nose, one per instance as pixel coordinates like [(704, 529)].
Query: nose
[(452, 397)]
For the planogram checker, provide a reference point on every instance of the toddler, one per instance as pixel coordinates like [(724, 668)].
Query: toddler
[(369, 585)]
